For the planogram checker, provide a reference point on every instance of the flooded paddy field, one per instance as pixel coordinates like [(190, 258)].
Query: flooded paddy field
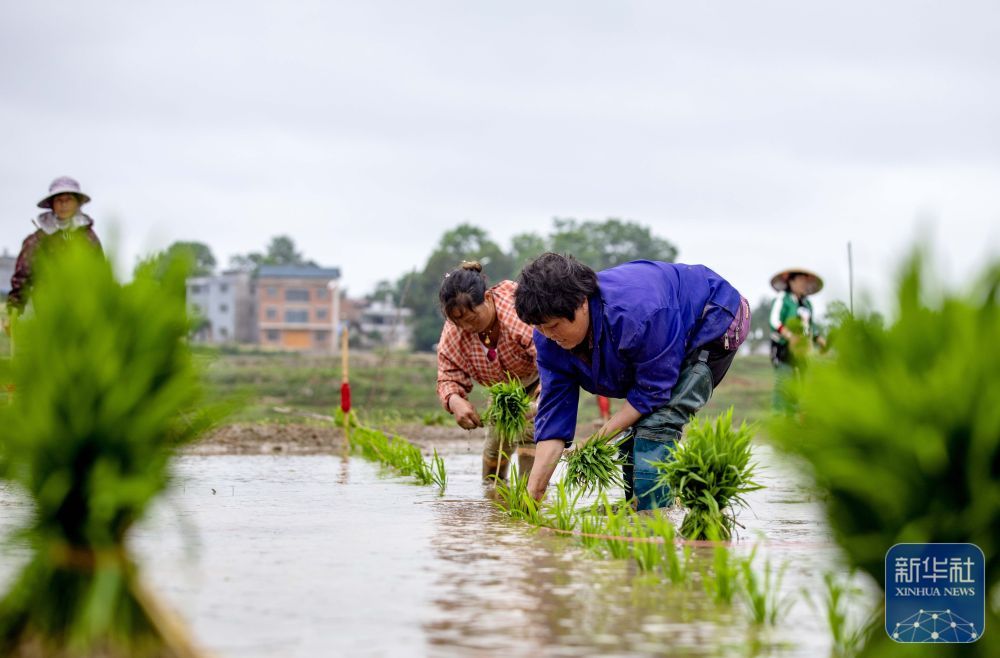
[(321, 555)]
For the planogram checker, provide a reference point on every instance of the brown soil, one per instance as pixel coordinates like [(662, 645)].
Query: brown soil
[(304, 438)]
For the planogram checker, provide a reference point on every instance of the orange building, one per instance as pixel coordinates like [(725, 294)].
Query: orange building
[(298, 307)]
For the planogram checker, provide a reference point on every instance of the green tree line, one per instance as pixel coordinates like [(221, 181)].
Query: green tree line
[(599, 244)]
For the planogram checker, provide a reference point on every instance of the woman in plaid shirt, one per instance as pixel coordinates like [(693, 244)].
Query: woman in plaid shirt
[(483, 340)]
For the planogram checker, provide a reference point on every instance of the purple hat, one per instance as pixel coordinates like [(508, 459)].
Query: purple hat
[(63, 185)]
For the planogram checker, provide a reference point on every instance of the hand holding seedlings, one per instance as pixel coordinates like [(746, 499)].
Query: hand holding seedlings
[(509, 405), (465, 414), (596, 464)]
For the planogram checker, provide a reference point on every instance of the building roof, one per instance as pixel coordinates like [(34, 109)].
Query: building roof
[(297, 272)]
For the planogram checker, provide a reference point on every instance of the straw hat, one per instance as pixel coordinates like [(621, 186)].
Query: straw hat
[(63, 185), (780, 280)]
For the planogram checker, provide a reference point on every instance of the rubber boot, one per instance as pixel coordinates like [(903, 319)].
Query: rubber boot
[(655, 434)]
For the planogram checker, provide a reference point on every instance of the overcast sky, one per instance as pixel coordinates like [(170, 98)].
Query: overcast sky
[(754, 135)]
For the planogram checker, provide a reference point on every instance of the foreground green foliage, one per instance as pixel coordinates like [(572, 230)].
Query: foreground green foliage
[(902, 428), (506, 413), (105, 394), (710, 472), (595, 466)]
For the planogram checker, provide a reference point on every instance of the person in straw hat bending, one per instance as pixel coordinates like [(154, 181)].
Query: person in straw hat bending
[(793, 330), (61, 221)]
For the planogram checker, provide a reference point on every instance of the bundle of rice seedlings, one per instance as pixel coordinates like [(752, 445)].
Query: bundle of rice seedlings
[(506, 413), (106, 392), (595, 466), (710, 472)]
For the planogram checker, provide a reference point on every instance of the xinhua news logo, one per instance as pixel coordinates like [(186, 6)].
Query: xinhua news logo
[(935, 593)]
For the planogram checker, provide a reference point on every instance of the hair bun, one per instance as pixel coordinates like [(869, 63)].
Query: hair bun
[(473, 265)]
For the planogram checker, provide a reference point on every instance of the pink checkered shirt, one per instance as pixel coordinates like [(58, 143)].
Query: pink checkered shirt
[(462, 356)]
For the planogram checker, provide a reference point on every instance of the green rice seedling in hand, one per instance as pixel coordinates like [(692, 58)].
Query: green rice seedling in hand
[(596, 465), (506, 412), (711, 472), (106, 393)]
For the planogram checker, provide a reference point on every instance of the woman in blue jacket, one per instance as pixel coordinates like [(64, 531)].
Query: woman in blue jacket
[(659, 335)]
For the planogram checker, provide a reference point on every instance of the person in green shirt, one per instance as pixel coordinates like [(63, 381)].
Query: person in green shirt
[(794, 331)]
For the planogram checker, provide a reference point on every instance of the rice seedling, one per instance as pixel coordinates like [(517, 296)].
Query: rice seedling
[(710, 472), (506, 412), (106, 392), (596, 465), (439, 475), (763, 597), (616, 527), (515, 500), (723, 581), (676, 569), (647, 551), (591, 525), (839, 597), (400, 455), (562, 512)]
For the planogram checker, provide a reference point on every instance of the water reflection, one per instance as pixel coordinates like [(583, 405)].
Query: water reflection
[(503, 588), (321, 555)]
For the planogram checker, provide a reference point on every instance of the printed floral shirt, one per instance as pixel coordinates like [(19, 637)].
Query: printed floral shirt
[(462, 356)]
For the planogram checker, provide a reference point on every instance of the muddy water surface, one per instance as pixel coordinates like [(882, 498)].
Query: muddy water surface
[(280, 556)]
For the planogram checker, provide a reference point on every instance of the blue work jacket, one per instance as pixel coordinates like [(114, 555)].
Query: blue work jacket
[(646, 319)]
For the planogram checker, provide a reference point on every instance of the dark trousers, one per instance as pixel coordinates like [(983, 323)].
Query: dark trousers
[(651, 438)]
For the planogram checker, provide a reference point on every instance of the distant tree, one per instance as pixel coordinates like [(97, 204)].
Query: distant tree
[(612, 242), (197, 254), (385, 290), (419, 290), (760, 324), (525, 247), (280, 251)]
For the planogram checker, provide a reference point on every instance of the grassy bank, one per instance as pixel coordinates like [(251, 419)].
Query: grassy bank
[(400, 386)]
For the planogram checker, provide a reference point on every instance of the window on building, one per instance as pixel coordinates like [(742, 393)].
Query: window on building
[(223, 332), (321, 314), (322, 293), (273, 335), (321, 337), (272, 291), (296, 316), (272, 313), (196, 308), (297, 295), (223, 287), (195, 290), (223, 308)]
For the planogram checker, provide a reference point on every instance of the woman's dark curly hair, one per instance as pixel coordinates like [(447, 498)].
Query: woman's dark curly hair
[(462, 288), (553, 286)]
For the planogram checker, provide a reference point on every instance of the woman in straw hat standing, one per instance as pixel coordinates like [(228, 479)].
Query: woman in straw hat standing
[(793, 330), (61, 221)]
